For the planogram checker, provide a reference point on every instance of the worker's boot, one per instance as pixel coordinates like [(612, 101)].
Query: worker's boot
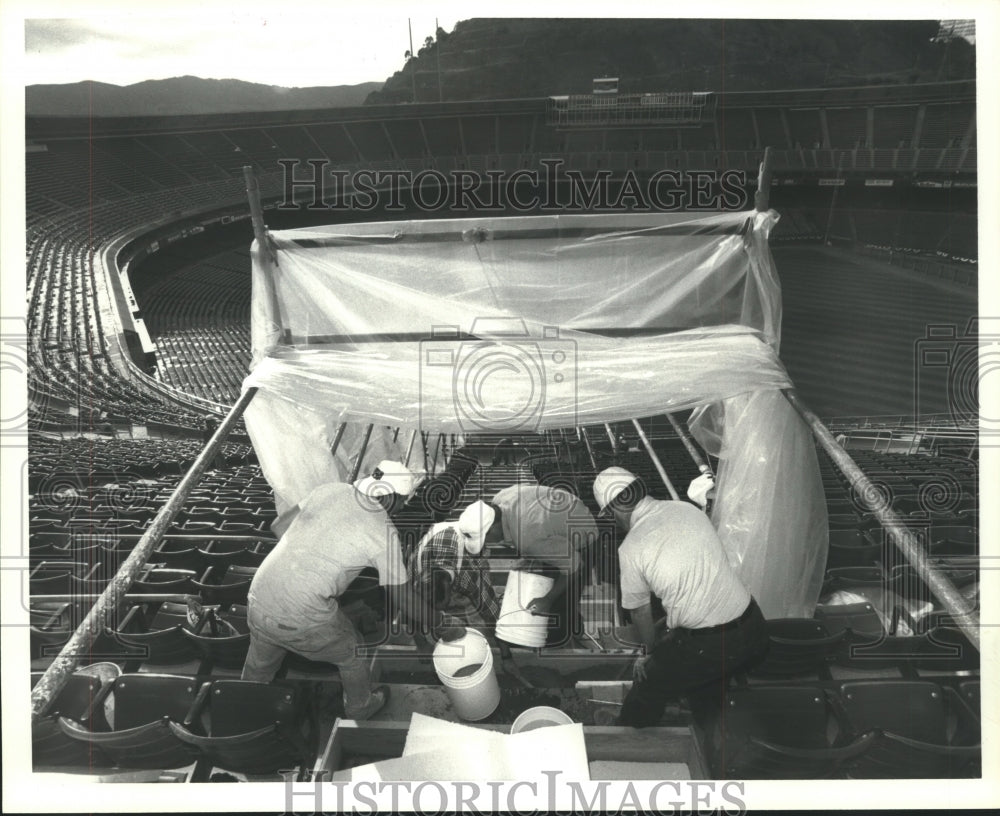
[(379, 697)]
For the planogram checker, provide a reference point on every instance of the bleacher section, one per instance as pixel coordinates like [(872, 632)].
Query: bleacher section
[(831, 666)]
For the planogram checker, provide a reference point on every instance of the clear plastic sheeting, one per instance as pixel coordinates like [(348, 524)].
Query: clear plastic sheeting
[(526, 324), (596, 273), (770, 508)]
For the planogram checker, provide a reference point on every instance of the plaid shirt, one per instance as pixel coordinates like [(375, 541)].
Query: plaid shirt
[(471, 580)]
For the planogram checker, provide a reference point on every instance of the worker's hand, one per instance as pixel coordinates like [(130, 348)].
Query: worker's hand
[(702, 489), (537, 606), (449, 629), (639, 670)]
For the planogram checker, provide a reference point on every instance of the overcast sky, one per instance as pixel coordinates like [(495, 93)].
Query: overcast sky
[(280, 48)]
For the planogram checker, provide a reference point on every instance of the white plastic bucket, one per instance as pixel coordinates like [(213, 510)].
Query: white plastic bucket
[(516, 624), (474, 694), (540, 717)]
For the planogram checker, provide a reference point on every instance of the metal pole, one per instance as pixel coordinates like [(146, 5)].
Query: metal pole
[(361, 454), (434, 460), (656, 460), (409, 447), (81, 642), (590, 450), (691, 449), (337, 438), (611, 436), (907, 542), (413, 60), (833, 202), (264, 243), (764, 174), (437, 50)]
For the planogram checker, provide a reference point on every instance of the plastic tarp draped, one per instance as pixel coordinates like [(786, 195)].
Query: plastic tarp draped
[(523, 324)]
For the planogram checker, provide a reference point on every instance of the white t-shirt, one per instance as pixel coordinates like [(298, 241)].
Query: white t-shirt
[(673, 552), (336, 534)]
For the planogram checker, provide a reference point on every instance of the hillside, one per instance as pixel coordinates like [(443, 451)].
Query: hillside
[(511, 58), (187, 94)]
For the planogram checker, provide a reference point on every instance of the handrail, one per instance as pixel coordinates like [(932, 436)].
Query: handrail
[(81, 642), (590, 450), (611, 436), (361, 454), (656, 460), (703, 466), (907, 542), (336, 439), (409, 447)]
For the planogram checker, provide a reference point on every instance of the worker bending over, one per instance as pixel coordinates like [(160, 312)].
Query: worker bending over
[(670, 551), (336, 532), (447, 566), (553, 532)]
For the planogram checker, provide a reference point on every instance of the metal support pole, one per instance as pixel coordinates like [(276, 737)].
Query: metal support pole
[(691, 449), (81, 642), (337, 438), (954, 602), (656, 461), (361, 454), (569, 455), (611, 436), (590, 450), (409, 447), (264, 244), (763, 195), (434, 459), (833, 201)]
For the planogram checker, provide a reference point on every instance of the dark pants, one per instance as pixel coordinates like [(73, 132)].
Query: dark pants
[(696, 663)]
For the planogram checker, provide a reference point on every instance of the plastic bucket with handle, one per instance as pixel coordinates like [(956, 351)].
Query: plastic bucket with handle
[(516, 624), (539, 717), (465, 668)]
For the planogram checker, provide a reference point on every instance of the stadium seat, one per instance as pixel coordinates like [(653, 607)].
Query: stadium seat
[(859, 621), (161, 580), (140, 736), (797, 646), (781, 732), (248, 727), (223, 640), (76, 701), (911, 723), (161, 639), (852, 548), (224, 585), (844, 578), (179, 554)]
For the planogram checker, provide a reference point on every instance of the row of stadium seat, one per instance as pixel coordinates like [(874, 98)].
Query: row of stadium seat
[(120, 166)]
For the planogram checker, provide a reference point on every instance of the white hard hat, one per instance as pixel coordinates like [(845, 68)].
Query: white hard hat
[(609, 483), (388, 477), (474, 523)]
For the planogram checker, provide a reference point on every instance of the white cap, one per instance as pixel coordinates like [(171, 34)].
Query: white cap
[(609, 483), (393, 477), (474, 523)]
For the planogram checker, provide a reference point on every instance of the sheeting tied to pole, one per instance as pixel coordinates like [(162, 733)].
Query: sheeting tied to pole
[(532, 323)]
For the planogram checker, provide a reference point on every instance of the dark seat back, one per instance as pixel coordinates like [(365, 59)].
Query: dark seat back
[(143, 698), (909, 708)]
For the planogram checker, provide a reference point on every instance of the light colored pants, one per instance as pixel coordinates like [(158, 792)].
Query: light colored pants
[(333, 642)]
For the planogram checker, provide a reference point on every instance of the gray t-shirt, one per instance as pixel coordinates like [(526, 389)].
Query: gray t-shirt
[(337, 533), (545, 522), (673, 552)]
